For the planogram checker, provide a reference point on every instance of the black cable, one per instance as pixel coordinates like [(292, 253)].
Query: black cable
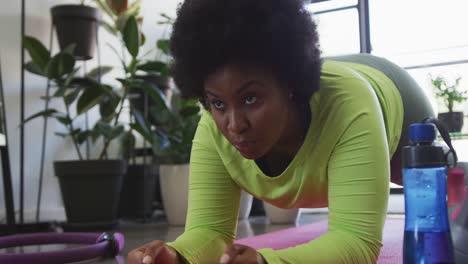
[(445, 136)]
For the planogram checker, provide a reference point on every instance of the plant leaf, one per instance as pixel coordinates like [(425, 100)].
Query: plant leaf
[(132, 66), (109, 91), (65, 120), (61, 134), (152, 66), (109, 103), (116, 132), (127, 144), (155, 94), (142, 39), (82, 82), (82, 136), (135, 6), (88, 99), (140, 130), (131, 36), (105, 7), (164, 45), (161, 144), (44, 113), (60, 92), (59, 65), (111, 29), (75, 132), (189, 111), (121, 21), (189, 130), (38, 52), (107, 108), (176, 103), (166, 16), (124, 82), (94, 73), (102, 129), (70, 49), (163, 117), (70, 77), (141, 125), (70, 97), (34, 68)]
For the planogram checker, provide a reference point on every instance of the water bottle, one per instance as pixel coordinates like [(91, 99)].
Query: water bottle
[(427, 237)]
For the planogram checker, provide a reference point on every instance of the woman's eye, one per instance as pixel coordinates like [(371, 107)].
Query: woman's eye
[(250, 99), (217, 104)]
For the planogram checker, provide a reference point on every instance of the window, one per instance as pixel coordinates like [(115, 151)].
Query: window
[(338, 32), (420, 31), (425, 37), (331, 5), (337, 23)]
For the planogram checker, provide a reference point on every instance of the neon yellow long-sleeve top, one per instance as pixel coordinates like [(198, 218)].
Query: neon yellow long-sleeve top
[(343, 163)]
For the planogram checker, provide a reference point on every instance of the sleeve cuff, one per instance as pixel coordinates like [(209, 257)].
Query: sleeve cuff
[(269, 255), (199, 246)]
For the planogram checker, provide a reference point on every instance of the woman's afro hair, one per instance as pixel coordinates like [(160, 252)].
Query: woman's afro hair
[(278, 34)]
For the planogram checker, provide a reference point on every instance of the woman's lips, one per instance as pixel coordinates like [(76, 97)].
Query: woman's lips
[(245, 146)]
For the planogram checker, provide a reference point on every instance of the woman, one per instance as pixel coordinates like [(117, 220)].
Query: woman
[(286, 126)]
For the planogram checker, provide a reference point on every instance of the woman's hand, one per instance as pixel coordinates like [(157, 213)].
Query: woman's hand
[(240, 254), (153, 252)]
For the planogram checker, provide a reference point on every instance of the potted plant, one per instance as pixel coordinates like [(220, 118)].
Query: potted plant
[(246, 201), (90, 187), (159, 72), (450, 94), (77, 24), (141, 182), (171, 140), (152, 71), (278, 215), (86, 93)]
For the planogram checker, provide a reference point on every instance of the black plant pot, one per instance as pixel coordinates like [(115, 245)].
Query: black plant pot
[(139, 190), (453, 121), (90, 191), (77, 24)]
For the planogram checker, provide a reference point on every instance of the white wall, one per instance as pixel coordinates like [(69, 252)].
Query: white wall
[(38, 25)]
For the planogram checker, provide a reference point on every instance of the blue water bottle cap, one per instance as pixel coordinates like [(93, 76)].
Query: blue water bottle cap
[(422, 132)]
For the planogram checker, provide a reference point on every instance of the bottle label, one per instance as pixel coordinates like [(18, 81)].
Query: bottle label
[(425, 199)]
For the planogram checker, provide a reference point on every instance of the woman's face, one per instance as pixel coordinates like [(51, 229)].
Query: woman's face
[(250, 107)]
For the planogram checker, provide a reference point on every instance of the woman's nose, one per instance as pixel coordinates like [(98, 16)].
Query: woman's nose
[(237, 122)]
